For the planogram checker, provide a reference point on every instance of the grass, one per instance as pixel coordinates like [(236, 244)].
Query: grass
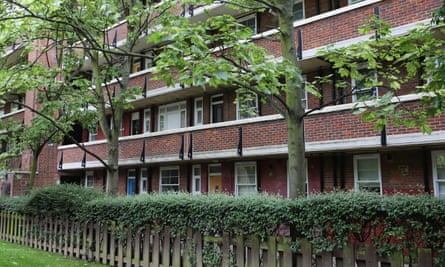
[(12, 255)]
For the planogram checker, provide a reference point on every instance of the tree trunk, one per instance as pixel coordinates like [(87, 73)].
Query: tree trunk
[(294, 86), (32, 175), (113, 168)]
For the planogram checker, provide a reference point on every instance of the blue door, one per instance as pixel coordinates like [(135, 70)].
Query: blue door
[(131, 186)]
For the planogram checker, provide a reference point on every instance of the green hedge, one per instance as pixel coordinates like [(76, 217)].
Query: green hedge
[(64, 201), (328, 221)]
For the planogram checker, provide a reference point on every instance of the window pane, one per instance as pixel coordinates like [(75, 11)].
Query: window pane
[(298, 10), (196, 171), (147, 121), (369, 187), (246, 179), (215, 169), (367, 169), (246, 190), (249, 22), (440, 166), (441, 187), (172, 117), (217, 113)]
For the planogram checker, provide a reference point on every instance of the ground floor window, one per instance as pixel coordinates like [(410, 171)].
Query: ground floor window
[(169, 179), (196, 186), (438, 160), (245, 178), (89, 179), (144, 181), (367, 174)]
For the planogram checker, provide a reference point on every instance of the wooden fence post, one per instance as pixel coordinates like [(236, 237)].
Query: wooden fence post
[(146, 247)]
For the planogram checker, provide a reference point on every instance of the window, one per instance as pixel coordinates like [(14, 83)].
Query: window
[(16, 106), (250, 22), (172, 116), (361, 88), (216, 108), (196, 176), (144, 181), (136, 65), (147, 120), (304, 94), (438, 158), (245, 178), (89, 179), (149, 60), (354, 1), (198, 111), (169, 178), (4, 146), (367, 174), (135, 123), (246, 105), (92, 134), (2, 110), (298, 10)]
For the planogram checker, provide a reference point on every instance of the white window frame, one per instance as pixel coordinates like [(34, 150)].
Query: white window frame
[(147, 120), (149, 62), (144, 178), (182, 109), (89, 179), (304, 99), (351, 2), (135, 116), (239, 111), (161, 185), (214, 103), (199, 112), (355, 91), (379, 171), (92, 134), (302, 6), (245, 164), (196, 179), (244, 19), (434, 155)]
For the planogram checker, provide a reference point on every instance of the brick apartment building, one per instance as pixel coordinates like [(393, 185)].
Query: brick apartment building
[(200, 142)]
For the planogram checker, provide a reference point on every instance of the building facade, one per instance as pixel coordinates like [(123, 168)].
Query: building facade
[(187, 139)]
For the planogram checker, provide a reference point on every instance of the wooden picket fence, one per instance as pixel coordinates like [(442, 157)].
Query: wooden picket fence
[(153, 247)]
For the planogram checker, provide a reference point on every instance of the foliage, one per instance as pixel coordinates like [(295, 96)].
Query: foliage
[(69, 39), (391, 63), (327, 221), (14, 204), (63, 201)]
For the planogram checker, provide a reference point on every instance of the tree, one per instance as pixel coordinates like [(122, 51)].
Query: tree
[(67, 36), (220, 52), (211, 53), (390, 63)]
